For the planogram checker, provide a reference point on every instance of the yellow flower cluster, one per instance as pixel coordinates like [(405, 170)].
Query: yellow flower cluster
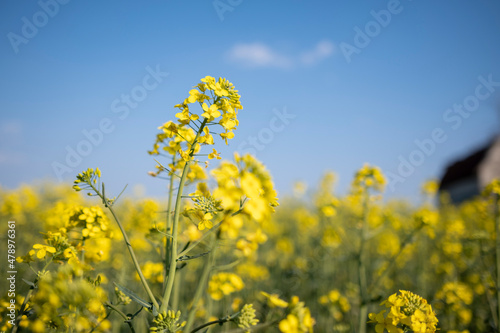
[(82, 300), (206, 207), (223, 284), (153, 271), (92, 221), (298, 320), (456, 298), (337, 304), (167, 322), (250, 244), (368, 177), (253, 271), (5, 318), (87, 222), (14, 204), (247, 180), (219, 102), (406, 311), (246, 318), (86, 178)]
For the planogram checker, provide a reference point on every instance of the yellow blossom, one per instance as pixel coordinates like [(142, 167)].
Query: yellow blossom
[(206, 222), (43, 249), (273, 300)]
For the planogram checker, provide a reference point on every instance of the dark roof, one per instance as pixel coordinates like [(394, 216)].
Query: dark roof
[(464, 168)]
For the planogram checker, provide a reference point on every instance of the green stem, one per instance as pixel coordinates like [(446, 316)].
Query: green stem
[(127, 242), (177, 290), (177, 213), (220, 321), (123, 315), (134, 259), (227, 266), (168, 224), (205, 235), (202, 284), (100, 322), (255, 328)]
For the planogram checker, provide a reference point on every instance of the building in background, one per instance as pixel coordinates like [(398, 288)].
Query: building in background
[(467, 177)]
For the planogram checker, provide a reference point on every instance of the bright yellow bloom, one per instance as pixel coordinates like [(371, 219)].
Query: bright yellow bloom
[(210, 112), (206, 137), (185, 155), (185, 117), (383, 323), (214, 154), (219, 90), (196, 96), (227, 135), (250, 185), (407, 309), (274, 301), (290, 324), (43, 249), (206, 222), (228, 124)]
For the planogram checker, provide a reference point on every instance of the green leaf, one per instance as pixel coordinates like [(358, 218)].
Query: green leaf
[(29, 283), (155, 228), (137, 299), (184, 258)]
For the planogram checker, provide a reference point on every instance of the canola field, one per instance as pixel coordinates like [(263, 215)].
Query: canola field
[(224, 254)]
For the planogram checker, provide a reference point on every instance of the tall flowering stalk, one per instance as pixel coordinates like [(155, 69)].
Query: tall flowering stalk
[(366, 179), (219, 103), (91, 180)]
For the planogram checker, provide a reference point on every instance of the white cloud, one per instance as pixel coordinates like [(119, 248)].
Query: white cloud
[(261, 55), (258, 55), (323, 50)]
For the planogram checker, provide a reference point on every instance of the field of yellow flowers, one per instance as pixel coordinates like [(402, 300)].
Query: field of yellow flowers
[(222, 255)]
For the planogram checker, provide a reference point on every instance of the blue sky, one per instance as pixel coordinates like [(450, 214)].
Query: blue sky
[(325, 85)]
